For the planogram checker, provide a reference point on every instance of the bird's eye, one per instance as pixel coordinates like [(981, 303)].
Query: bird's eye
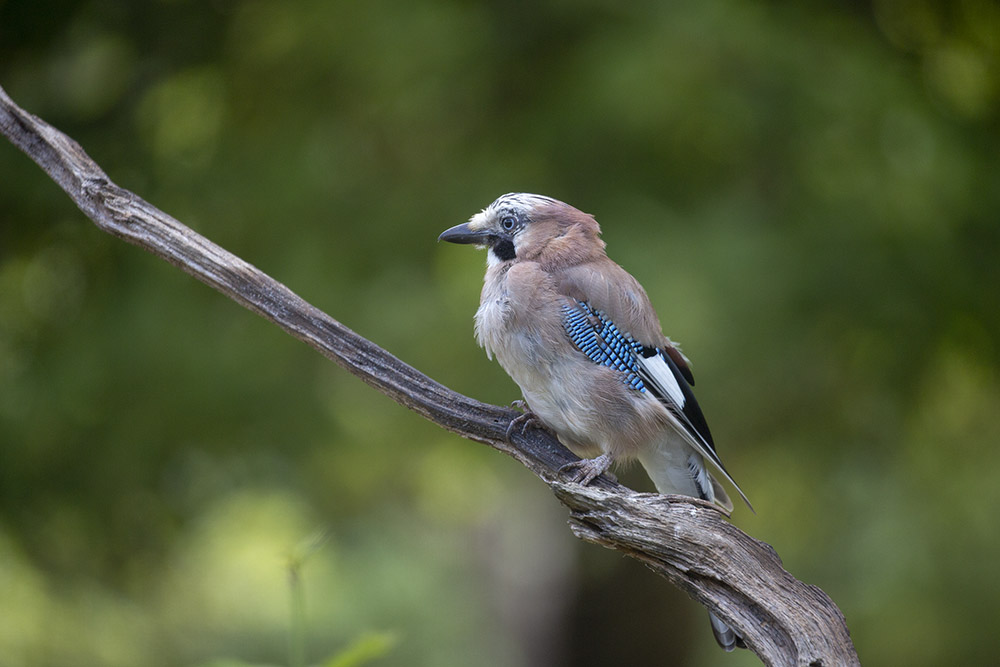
[(508, 222)]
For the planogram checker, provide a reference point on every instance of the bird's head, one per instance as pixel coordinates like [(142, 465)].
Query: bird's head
[(522, 226)]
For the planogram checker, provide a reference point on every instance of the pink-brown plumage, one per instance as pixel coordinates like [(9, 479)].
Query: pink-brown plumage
[(549, 294)]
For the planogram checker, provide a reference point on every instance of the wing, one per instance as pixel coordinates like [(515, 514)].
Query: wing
[(612, 290), (644, 368)]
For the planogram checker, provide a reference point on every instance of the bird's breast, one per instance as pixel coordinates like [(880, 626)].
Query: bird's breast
[(493, 317)]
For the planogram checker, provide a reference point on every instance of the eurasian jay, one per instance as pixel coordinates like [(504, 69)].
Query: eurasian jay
[(579, 336)]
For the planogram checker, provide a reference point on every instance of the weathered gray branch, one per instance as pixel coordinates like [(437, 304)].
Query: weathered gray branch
[(784, 621)]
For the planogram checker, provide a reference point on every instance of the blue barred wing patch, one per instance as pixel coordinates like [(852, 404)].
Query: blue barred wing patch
[(603, 342)]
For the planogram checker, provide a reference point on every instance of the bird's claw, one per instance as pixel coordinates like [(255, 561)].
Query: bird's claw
[(527, 419), (522, 421), (586, 471)]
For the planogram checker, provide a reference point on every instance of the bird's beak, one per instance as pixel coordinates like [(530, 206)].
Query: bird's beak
[(463, 234)]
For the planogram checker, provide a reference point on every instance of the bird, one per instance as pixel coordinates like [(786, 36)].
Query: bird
[(579, 336)]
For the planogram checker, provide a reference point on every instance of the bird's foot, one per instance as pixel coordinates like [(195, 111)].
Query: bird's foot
[(586, 471), (527, 419)]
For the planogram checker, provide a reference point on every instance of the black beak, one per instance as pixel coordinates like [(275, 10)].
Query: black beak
[(462, 234)]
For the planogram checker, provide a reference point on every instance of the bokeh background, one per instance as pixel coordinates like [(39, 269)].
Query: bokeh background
[(808, 190)]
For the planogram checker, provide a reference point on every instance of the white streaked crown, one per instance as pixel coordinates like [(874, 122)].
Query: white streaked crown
[(523, 202)]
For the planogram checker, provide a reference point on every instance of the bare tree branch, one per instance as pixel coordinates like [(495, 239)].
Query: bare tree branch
[(784, 621)]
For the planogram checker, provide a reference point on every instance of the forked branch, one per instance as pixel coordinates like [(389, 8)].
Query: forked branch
[(784, 621)]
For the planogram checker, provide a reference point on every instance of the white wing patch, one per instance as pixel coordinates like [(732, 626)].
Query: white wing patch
[(660, 375)]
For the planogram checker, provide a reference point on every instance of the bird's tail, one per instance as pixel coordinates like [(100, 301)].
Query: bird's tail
[(725, 635), (680, 470)]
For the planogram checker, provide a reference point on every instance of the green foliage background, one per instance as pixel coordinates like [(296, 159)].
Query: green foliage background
[(808, 190)]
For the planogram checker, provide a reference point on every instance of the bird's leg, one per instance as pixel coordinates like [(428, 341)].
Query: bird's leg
[(585, 471), (526, 419)]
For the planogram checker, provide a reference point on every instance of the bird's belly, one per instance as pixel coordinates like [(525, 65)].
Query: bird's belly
[(559, 391)]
